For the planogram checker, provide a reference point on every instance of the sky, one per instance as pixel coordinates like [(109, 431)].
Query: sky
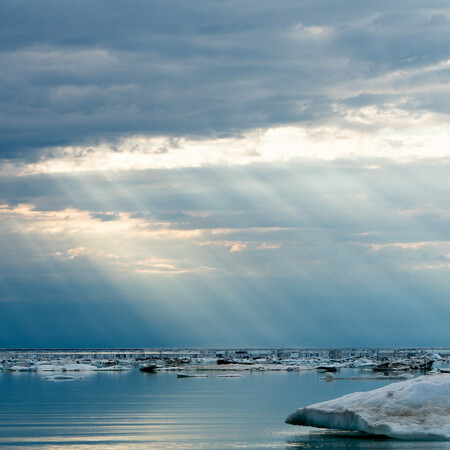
[(224, 173)]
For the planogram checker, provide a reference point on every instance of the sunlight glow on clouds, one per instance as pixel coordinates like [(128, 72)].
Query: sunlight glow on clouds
[(423, 138), (265, 172), (417, 256), (124, 244)]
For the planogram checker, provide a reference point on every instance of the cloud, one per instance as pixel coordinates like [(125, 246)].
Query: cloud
[(105, 217), (275, 169), (408, 245), (415, 256), (402, 139), (162, 266), (261, 220), (240, 246), (273, 250), (145, 70), (126, 244)]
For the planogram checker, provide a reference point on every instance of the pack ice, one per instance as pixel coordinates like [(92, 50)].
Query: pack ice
[(416, 409)]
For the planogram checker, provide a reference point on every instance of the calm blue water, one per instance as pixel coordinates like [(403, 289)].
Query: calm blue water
[(135, 410)]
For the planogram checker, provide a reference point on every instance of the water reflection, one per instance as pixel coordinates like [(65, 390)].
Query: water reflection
[(329, 439), (135, 411)]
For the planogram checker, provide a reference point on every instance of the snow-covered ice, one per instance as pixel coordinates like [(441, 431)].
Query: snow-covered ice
[(21, 369), (116, 368), (415, 409), (66, 368)]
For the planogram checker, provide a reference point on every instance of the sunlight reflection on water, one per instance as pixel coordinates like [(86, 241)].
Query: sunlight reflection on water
[(135, 410)]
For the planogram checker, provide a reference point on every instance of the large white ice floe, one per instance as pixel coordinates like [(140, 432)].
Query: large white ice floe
[(415, 409)]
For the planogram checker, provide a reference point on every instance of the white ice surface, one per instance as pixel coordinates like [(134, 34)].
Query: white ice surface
[(116, 368), (21, 369), (66, 368), (62, 378), (415, 409)]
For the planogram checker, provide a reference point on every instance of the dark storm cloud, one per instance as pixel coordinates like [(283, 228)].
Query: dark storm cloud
[(84, 72)]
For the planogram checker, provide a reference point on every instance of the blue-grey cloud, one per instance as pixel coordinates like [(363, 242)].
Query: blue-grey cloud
[(284, 254), (78, 72), (271, 241), (105, 217)]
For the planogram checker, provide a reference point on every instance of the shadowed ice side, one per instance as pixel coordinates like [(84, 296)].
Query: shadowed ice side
[(417, 409)]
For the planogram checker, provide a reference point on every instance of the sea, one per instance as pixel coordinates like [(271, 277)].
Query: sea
[(137, 410)]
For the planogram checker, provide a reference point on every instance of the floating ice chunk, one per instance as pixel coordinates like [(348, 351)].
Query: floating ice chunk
[(48, 368), (116, 368), (191, 375), (22, 369), (79, 368), (229, 375), (415, 409), (364, 364), (62, 377), (66, 368), (329, 376)]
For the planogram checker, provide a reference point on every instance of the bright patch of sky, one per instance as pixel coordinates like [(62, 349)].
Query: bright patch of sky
[(220, 173)]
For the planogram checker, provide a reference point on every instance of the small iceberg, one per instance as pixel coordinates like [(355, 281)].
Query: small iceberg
[(116, 368), (191, 375), (149, 368), (417, 409), (62, 378), (22, 369), (229, 375)]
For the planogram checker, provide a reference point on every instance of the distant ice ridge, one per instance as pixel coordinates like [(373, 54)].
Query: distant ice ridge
[(417, 409)]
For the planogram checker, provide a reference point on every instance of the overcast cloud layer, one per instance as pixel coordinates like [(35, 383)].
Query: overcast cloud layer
[(224, 173), (78, 72)]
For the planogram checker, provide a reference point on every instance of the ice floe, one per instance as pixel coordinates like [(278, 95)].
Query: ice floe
[(191, 375), (391, 363), (116, 368), (415, 409), (66, 368), (62, 378)]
